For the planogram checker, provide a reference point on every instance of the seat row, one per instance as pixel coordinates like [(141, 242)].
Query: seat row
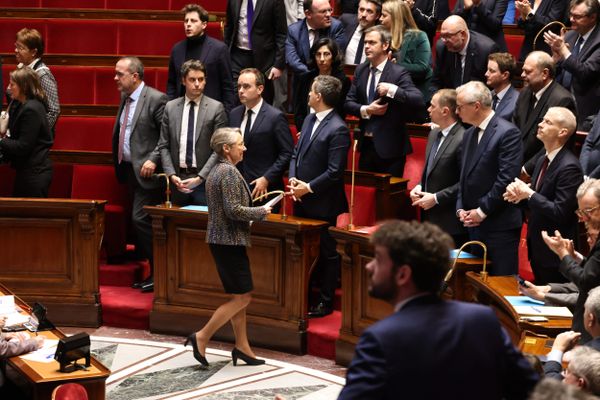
[(173, 5)]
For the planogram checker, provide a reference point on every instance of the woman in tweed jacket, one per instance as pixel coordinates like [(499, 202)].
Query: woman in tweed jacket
[(228, 233)]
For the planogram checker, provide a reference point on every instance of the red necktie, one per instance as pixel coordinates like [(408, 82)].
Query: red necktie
[(542, 173)]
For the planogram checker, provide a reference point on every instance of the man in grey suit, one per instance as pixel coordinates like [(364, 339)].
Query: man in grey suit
[(187, 126), (135, 136), (436, 193)]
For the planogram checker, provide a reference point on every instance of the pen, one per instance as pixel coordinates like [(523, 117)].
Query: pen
[(537, 310)]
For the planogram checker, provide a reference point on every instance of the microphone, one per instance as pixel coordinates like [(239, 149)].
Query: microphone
[(483, 273), (157, 177)]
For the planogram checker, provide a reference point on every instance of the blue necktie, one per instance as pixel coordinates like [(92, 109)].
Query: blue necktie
[(371, 91), (189, 147), (249, 16), (567, 76)]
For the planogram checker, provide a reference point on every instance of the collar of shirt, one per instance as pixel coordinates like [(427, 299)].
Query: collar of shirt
[(400, 306), (136, 93), (322, 114), (197, 101), (463, 52), (381, 66), (587, 35), (309, 27), (502, 93), (256, 108), (539, 93), (33, 63), (553, 154), (483, 125), (447, 130)]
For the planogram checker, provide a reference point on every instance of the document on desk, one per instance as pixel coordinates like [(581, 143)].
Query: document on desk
[(44, 354), (12, 313), (545, 311)]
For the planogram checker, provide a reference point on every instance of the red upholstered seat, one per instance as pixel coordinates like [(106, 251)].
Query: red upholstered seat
[(75, 84), (105, 89), (98, 182), (69, 391), (415, 161), (133, 37), (137, 4), (364, 207), (7, 180), (72, 3), (514, 43), (214, 29), (62, 176), (84, 133), (20, 3), (10, 27), (70, 36)]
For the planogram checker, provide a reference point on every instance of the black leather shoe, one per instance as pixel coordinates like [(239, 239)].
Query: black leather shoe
[(138, 285), (199, 357), (148, 287), (320, 310), (235, 354)]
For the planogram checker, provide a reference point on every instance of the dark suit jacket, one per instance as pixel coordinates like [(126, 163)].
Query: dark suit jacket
[(145, 132), (478, 50), (487, 169), (321, 162), (585, 69), (590, 152), (215, 57), (554, 96), (389, 134), (586, 276), (553, 206), (350, 25), (506, 107), (437, 349), (269, 145), (443, 179), (548, 11), (30, 138), (297, 44), (485, 19), (211, 116), (269, 30), (427, 18)]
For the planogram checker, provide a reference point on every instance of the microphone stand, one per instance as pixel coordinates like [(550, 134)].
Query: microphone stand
[(351, 224), (563, 28), (283, 200), (483, 275), (168, 203)]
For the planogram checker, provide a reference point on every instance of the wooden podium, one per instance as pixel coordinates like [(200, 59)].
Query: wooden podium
[(492, 293), (49, 254), (359, 310), (187, 288)]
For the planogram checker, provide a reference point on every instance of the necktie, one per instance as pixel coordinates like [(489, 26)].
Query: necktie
[(532, 101), (567, 79), (189, 147), (360, 49), (542, 173), (458, 77), (371, 91), (494, 102), (249, 16), (123, 128), (248, 123), (433, 152)]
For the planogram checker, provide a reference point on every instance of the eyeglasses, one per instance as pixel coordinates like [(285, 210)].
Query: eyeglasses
[(585, 212), (448, 35), (459, 106), (577, 16), (20, 47)]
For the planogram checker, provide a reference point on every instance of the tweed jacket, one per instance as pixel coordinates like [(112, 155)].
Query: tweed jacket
[(229, 206)]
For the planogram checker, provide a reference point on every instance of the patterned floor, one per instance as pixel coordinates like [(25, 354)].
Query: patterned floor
[(155, 370)]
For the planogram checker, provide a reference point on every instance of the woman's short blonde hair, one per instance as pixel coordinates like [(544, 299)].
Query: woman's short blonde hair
[(222, 137)]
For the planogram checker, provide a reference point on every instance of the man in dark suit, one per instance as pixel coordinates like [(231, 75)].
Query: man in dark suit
[(368, 15), (383, 96), (317, 178), (582, 371), (461, 55), (187, 126), (491, 160), (266, 132), (485, 17), (461, 346), (500, 70), (136, 159), (590, 152), (436, 193), (539, 94), (533, 20), (550, 199), (427, 13), (211, 52), (255, 32), (578, 56)]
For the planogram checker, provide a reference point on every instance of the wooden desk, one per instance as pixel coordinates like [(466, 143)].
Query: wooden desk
[(49, 254), (42, 378), (187, 288), (359, 310), (492, 293)]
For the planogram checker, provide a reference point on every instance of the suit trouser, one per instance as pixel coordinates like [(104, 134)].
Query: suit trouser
[(142, 222), (33, 182), (329, 259), (241, 59), (545, 274), (502, 249), (372, 162)]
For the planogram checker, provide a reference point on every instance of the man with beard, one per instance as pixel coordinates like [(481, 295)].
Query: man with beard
[(429, 348)]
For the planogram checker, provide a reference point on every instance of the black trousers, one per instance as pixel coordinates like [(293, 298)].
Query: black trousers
[(502, 247), (33, 181), (372, 162)]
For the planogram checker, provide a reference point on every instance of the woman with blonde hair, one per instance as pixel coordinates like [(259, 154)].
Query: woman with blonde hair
[(410, 46)]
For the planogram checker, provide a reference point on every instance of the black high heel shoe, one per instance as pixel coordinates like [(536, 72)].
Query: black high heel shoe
[(235, 354), (199, 357)]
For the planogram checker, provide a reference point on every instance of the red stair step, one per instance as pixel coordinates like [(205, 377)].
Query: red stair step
[(125, 307), (322, 334)]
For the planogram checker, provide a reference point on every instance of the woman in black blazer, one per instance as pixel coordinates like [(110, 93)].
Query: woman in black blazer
[(228, 233), (27, 143)]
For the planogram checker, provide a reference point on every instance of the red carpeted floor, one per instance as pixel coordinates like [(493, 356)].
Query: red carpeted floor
[(125, 307)]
